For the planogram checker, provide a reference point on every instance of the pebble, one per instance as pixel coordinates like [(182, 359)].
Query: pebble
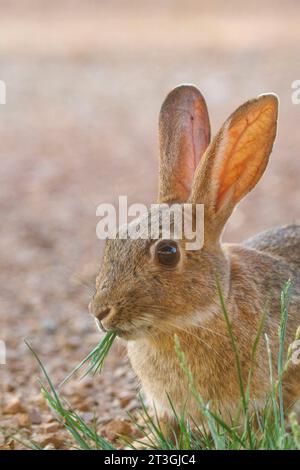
[(11, 444), (133, 405), (72, 342), (5, 447), (51, 427), (88, 416), (49, 325), (125, 400), (84, 406), (53, 439), (116, 428), (35, 417), (49, 447), (24, 420), (120, 372), (14, 406)]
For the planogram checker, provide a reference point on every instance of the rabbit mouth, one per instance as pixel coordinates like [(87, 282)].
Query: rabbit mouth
[(118, 331), (100, 325), (126, 334)]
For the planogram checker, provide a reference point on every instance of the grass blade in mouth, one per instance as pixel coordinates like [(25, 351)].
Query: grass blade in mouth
[(95, 359)]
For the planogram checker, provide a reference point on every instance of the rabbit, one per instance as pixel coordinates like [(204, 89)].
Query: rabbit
[(148, 290)]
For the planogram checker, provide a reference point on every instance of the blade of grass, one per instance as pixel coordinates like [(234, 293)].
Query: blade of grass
[(237, 361), (71, 420), (284, 300), (96, 357)]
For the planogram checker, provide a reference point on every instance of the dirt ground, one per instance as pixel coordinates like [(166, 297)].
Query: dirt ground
[(85, 81)]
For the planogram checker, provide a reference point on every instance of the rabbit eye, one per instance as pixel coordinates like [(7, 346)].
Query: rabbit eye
[(167, 252)]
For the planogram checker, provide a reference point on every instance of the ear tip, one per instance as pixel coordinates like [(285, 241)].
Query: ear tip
[(185, 87), (184, 92), (272, 98)]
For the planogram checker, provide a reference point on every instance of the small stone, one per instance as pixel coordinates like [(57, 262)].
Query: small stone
[(116, 428), (51, 427), (73, 342), (10, 387), (125, 400), (35, 417), (50, 325), (52, 439), (48, 418), (11, 444), (119, 372), (88, 416), (133, 405), (5, 447), (83, 406), (104, 419), (57, 441), (14, 406), (115, 403), (41, 402), (49, 447), (24, 420), (88, 382)]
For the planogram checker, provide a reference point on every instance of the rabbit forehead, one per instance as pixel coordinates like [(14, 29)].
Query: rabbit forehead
[(153, 221), (123, 253)]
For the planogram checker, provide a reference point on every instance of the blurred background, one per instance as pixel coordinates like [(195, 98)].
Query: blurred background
[(85, 81)]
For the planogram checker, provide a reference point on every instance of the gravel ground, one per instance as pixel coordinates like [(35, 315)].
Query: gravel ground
[(84, 87)]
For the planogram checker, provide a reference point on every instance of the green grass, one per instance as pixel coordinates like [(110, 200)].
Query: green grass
[(94, 361), (261, 429)]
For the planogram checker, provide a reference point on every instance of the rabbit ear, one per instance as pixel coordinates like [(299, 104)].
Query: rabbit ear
[(184, 134), (236, 159)]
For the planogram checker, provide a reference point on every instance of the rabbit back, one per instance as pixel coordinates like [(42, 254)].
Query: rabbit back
[(281, 242)]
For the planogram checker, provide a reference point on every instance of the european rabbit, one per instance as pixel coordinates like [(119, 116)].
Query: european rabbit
[(148, 290)]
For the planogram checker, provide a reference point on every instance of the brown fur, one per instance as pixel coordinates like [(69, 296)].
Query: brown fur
[(150, 303)]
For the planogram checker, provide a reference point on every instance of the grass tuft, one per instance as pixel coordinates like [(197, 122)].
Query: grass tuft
[(261, 429), (95, 359), (85, 437)]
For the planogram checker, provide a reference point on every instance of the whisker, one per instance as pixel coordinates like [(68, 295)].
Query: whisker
[(90, 288)]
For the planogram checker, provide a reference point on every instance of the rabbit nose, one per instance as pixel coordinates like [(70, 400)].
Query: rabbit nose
[(100, 315), (97, 311)]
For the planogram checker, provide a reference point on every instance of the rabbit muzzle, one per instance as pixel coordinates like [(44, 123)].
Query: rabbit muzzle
[(105, 317), (99, 313)]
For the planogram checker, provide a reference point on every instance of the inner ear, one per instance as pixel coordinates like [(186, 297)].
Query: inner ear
[(235, 160), (184, 133)]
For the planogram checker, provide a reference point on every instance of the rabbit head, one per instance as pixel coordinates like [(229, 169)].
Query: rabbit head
[(146, 286)]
